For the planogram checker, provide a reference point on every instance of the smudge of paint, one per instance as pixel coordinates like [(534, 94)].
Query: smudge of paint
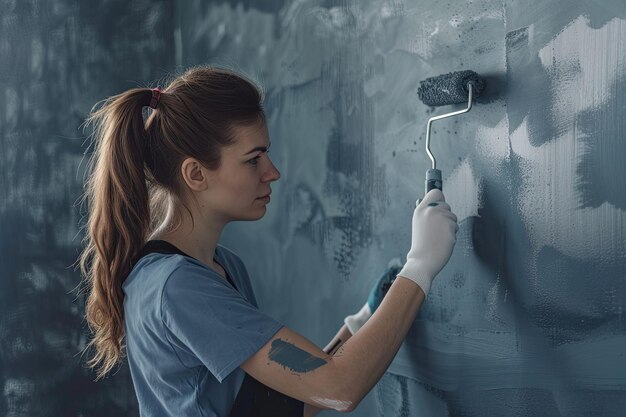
[(294, 358), (531, 94), (333, 404), (579, 170)]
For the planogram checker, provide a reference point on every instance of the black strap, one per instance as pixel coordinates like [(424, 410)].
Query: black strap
[(254, 398)]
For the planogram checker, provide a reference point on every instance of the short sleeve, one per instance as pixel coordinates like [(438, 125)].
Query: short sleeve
[(214, 321)]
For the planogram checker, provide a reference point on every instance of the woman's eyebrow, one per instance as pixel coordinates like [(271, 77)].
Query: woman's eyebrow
[(259, 148)]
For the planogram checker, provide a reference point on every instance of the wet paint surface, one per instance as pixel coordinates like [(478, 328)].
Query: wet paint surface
[(529, 310), (290, 356)]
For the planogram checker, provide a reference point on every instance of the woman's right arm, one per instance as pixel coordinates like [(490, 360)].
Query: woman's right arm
[(293, 365)]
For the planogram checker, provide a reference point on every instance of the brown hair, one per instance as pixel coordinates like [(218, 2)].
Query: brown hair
[(134, 180)]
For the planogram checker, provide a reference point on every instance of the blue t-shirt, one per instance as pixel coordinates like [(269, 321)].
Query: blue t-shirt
[(187, 332)]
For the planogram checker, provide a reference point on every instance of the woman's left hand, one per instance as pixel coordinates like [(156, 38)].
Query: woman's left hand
[(355, 321)]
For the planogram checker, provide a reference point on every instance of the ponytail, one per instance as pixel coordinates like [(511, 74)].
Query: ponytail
[(134, 184), (118, 219)]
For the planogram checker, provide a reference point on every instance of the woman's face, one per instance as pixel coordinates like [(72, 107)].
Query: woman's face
[(245, 175)]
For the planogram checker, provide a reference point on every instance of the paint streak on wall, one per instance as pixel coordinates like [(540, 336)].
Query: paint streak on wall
[(526, 319), (542, 268)]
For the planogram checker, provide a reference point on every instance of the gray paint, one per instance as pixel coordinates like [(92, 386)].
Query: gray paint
[(526, 318), (290, 356)]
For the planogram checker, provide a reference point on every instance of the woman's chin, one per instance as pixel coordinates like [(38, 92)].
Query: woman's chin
[(255, 214)]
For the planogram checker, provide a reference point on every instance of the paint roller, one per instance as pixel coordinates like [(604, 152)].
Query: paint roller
[(452, 88)]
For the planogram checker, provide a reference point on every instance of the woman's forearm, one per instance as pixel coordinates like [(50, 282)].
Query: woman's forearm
[(369, 352), (340, 338)]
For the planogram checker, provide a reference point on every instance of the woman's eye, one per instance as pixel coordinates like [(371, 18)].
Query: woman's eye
[(255, 161)]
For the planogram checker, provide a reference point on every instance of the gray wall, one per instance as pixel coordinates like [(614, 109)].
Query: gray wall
[(57, 59), (526, 318)]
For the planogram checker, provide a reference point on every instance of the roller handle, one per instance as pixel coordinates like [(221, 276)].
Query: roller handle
[(433, 180)]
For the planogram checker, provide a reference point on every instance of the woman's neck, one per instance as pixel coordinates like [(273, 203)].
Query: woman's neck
[(197, 241)]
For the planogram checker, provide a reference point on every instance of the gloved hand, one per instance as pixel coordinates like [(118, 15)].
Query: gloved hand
[(433, 237), (434, 228), (355, 321)]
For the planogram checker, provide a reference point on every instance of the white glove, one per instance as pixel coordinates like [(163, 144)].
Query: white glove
[(433, 237)]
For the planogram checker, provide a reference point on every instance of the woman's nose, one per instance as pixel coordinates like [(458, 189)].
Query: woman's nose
[(273, 173)]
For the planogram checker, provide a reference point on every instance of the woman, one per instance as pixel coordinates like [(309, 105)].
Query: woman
[(164, 292)]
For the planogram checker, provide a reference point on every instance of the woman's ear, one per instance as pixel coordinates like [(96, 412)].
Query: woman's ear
[(196, 176)]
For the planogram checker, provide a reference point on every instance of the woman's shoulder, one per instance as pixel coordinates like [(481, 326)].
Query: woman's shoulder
[(151, 272)]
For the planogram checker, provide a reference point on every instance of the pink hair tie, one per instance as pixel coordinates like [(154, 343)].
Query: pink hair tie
[(156, 95)]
